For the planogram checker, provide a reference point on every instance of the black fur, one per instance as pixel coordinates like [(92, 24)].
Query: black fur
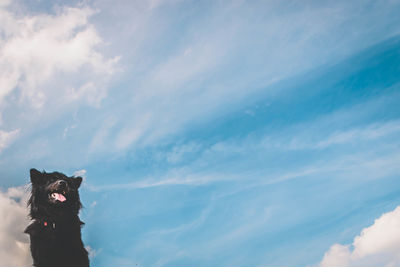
[(55, 231)]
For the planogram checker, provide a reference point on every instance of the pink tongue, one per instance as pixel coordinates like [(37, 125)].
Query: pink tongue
[(59, 197)]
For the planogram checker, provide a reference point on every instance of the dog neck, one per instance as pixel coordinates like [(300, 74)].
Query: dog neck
[(47, 223), (61, 222)]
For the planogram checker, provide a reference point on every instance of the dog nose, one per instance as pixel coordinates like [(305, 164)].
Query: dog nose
[(62, 184)]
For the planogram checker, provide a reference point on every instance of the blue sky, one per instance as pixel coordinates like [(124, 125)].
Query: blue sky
[(209, 133)]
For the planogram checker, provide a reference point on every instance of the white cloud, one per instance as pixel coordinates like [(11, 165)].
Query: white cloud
[(6, 138), (4, 3), (377, 245), (14, 244), (81, 173), (92, 252), (50, 63), (42, 56)]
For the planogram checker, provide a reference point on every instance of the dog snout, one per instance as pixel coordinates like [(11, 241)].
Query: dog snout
[(61, 184)]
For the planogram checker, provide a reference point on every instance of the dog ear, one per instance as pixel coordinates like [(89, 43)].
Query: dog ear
[(76, 181), (37, 177)]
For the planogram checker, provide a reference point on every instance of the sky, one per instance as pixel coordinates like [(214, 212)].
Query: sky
[(208, 133)]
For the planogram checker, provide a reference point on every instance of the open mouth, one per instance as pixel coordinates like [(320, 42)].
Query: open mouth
[(59, 196)]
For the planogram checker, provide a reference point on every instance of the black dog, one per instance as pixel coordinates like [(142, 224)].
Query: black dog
[(55, 231)]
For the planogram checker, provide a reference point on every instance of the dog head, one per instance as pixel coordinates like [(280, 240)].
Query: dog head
[(54, 192)]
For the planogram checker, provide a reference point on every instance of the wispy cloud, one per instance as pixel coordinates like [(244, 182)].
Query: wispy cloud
[(176, 231), (247, 55), (196, 163), (356, 165), (369, 132), (6, 138), (354, 135), (189, 180)]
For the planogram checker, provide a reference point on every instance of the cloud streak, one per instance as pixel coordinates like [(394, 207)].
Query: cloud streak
[(197, 164)]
